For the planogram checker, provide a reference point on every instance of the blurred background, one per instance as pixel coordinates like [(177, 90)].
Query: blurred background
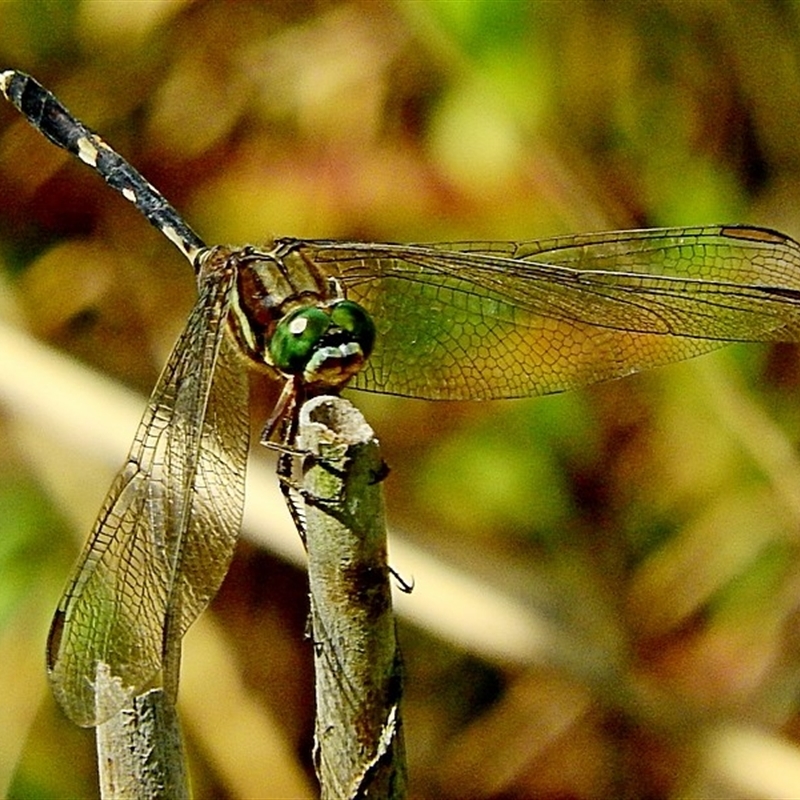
[(646, 529)]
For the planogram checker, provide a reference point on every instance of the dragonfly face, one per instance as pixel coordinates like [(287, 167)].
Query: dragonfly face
[(325, 344), (458, 320)]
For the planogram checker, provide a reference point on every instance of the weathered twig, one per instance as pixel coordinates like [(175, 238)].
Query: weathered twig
[(139, 751), (359, 748)]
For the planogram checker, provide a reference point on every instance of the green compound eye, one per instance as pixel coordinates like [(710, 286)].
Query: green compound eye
[(296, 337), (326, 345), (351, 317)]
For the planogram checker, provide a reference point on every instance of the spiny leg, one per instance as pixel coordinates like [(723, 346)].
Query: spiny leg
[(279, 434), (291, 494)]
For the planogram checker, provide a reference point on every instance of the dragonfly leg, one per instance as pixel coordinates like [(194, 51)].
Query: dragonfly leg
[(280, 429), (402, 584), (296, 496), (279, 434), (292, 493)]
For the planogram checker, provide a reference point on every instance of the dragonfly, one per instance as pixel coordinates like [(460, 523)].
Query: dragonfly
[(456, 320)]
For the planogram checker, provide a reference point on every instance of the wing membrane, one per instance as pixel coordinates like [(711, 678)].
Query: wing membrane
[(166, 533), (507, 319)]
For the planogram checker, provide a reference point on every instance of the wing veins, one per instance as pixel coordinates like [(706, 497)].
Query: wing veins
[(123, 590)]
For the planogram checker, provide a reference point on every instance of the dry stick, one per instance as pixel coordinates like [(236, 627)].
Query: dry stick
[(139, 751), (359, 750)]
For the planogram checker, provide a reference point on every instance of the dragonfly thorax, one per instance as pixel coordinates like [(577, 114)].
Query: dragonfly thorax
[(286, 313)]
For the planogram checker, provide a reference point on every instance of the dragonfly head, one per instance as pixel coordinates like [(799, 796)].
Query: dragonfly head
[(325, 344)]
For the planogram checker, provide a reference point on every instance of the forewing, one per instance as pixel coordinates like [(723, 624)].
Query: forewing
[(507, 319), (166, 533)]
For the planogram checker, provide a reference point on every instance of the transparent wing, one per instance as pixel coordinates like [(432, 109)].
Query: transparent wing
[(507, 319), (167, 530)]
